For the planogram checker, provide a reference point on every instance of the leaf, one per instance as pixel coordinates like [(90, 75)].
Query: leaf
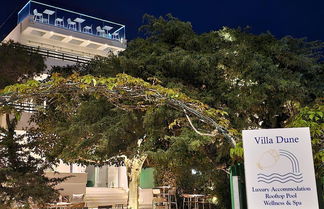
[(94, 81), (311, 116)]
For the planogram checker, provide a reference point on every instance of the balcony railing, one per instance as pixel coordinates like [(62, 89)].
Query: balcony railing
[(57, 55), (70, 20)]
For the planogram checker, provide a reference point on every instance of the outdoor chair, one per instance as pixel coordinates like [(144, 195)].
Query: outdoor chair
[(156, 192), (77, 198), (172, 197), (100, 32), (38, 17), (159, 203), (59, 22), (87, 29), (187, 200), (71, 24), (115, 35), (205, 200)]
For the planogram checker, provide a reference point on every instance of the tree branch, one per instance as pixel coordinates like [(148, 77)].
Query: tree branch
[(194, 128), (135, 92), (105, 161)]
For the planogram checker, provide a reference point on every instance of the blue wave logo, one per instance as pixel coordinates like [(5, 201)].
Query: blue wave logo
[(294, 175), (282, 178)]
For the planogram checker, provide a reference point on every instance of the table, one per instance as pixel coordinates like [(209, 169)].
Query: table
[(79, 20), (108, 28), (48, 13), (163, 188), (189, 198)]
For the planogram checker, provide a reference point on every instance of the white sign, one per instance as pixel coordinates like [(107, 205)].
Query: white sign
[(279, 169)]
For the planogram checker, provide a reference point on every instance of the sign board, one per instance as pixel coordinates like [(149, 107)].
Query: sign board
[(279, 169)]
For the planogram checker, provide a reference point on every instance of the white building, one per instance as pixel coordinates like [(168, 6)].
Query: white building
[(66, 37)]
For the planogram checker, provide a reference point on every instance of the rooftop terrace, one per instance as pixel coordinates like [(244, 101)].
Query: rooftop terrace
[(63, 31), (73, 21)]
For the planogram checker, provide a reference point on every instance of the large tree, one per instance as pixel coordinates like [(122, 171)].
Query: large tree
[(258, 79), (122, 119), (22, 169)]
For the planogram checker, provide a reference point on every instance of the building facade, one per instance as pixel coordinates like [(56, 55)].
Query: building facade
[(65, 37)]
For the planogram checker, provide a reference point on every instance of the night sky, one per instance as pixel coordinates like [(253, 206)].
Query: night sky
[(298, 18)]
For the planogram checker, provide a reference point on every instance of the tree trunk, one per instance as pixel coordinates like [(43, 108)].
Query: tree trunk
[(134, 167)]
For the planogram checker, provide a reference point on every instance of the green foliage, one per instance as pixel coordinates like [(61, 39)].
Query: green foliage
[(22, 176), (313, 117), (18, 64), (194, 162), (135, 91), (237, 152), (81, 120), (169, 29), (255, 78), (90, 119)]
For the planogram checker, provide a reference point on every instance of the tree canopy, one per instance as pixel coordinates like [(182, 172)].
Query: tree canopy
[(257, 79), (93, 120), (18, 63)]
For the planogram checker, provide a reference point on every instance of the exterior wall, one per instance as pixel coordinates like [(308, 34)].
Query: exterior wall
[(23, 123), (69, 168), (50, 37), (3, 121), (14, 34), (73, 185), (145, 198), (57, 62), (50, 62)]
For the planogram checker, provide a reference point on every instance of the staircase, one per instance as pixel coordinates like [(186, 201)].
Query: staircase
[(100, 196)]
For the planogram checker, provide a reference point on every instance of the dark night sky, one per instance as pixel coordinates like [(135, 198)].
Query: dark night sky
[(299, 18)]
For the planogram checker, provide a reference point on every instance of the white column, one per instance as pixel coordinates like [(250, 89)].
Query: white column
[(102, 176), (122, 177), (97, 176), (112, 176), (90, 170)]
